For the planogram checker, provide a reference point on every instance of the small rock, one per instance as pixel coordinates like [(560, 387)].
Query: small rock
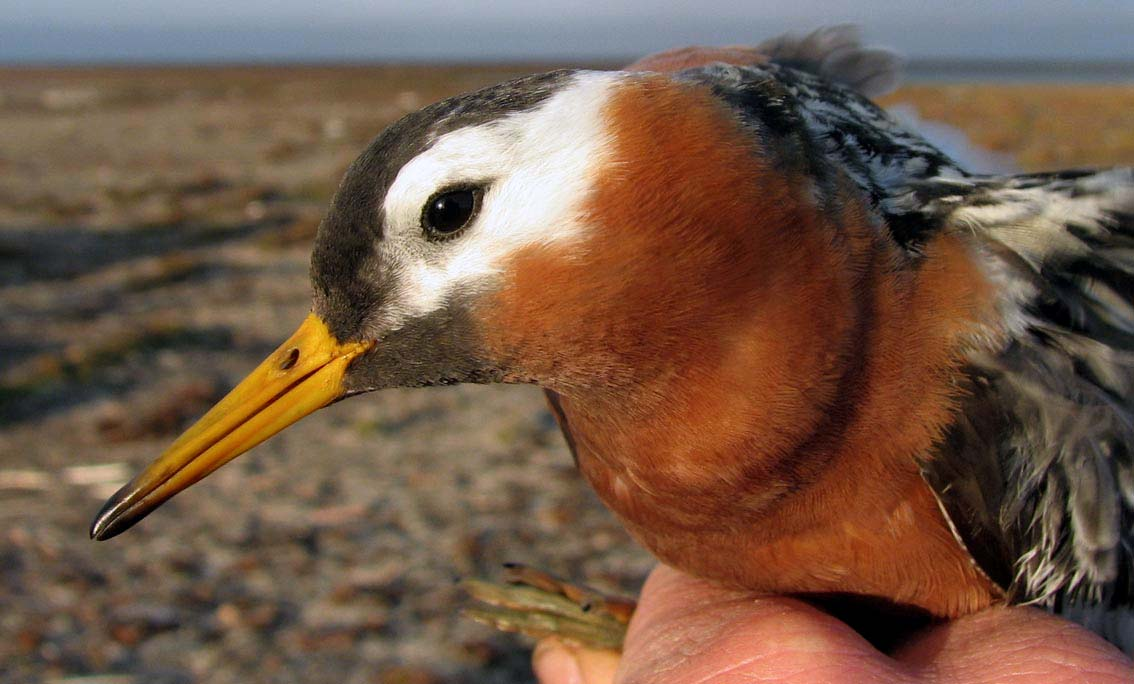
[(127, 635), (228, 616), (96, 474), (255, 210), (407, 674), (29, 639), (334, 516), (29, 480), (380, 577), (334, 128), (263, 616), (133, 622), (328, 617)]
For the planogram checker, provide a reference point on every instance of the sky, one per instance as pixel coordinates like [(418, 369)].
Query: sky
[(433, 30)]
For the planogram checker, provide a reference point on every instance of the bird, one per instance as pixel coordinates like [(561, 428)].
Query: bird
[(793, 346)]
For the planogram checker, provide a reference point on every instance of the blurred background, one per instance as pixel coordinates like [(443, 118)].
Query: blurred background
[(163, 169)]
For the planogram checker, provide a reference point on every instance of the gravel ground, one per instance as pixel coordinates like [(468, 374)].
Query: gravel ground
[(154, 233)]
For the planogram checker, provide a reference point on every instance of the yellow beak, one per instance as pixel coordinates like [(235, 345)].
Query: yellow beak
[(303, 375)]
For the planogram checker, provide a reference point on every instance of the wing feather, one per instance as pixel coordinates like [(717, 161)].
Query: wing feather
[(1059, 248), (1037, 473)]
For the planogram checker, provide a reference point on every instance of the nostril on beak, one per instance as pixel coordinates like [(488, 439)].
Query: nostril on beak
[(290, 360)]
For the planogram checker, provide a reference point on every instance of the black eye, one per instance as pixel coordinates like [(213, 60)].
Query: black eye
[(450, 210)]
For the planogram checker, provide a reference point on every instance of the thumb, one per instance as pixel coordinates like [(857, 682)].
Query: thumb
[(556, 662)]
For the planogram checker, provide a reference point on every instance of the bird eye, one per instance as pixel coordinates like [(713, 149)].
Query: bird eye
[(450, 210)]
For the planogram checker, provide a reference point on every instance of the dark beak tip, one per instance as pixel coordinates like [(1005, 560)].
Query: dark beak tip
[(98, 529), (113, 518), (101, 526)]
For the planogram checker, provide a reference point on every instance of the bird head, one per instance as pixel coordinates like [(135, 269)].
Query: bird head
[(586, 231)]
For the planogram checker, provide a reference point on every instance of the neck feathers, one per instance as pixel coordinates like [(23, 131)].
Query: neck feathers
[(749, 381)]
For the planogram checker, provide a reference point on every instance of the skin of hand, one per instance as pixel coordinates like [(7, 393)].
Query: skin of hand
[(688, 631)]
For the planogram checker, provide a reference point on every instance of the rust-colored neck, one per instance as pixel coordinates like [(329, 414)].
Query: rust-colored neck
[(796, 470), (748, 379)]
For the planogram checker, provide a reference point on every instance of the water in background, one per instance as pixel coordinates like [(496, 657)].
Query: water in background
[(969, 71)]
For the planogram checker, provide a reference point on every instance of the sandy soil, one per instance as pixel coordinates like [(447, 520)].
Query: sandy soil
[(154, 231)]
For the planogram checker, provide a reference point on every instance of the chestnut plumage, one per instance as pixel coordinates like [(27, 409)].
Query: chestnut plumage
[(794, 346)]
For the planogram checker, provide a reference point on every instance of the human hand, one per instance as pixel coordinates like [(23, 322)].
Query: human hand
[(687, 630)]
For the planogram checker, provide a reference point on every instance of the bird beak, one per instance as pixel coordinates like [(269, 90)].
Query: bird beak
[(304, 374)]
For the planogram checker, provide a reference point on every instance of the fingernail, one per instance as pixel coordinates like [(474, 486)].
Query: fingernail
[(554, 663)]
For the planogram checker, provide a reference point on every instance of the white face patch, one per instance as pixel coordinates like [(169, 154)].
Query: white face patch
[(537, 167)]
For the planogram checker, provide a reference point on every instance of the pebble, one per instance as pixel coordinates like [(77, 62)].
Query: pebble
[(327, 617)]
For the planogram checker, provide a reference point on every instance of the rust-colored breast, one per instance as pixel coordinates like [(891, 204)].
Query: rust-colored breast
[(749, 383)]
